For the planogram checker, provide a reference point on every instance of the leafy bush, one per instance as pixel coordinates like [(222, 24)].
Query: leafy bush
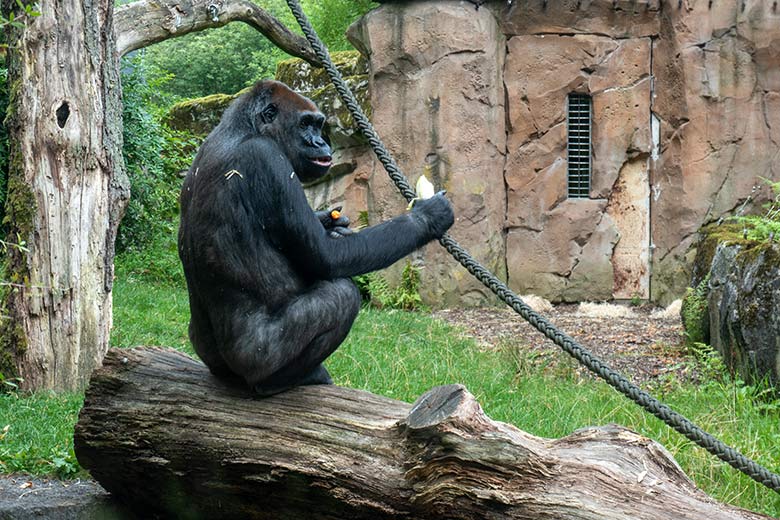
[(695, 314), (331, 18), (767, 226), (223, 60), (154, 154), (375, 289)]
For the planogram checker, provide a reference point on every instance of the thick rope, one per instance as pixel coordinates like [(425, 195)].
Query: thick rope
[(673, 419)]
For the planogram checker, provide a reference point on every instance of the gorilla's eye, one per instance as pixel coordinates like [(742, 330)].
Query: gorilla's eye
[(269, 113)]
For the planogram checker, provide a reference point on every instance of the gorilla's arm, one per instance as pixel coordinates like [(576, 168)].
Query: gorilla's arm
[(294, 228)]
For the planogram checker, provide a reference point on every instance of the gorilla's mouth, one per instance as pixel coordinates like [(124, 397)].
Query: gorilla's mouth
[(324, 161)]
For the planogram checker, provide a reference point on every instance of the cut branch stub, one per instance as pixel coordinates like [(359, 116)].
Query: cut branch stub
[(164, 436)]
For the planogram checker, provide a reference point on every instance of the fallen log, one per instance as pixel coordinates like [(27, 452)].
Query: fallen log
[(166, 438)]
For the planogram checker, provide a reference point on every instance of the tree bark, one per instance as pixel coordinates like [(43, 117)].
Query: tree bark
[(145, 22), (67, 191), (165, 437)]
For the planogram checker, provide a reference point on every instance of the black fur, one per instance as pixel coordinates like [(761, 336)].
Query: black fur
[(268, 279)]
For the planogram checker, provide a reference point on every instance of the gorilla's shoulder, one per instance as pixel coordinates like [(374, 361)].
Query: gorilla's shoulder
[(261, 160)]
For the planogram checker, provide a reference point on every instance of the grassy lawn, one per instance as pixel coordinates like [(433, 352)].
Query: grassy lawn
[(402, 355)]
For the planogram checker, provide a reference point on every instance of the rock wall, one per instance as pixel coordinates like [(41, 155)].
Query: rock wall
[(685, 124), (716, 91), (438, 100), (686, 120), (744, 309)]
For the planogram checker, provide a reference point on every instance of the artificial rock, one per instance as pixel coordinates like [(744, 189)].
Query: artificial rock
[(685, 125)]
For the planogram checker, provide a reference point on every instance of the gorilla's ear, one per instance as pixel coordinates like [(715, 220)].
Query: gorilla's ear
[(268, 113)]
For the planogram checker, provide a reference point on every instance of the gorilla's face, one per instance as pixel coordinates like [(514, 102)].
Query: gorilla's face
[(312, 154), (295, 123)]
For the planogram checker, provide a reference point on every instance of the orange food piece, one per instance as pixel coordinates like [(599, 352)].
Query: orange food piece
[(335, 214)]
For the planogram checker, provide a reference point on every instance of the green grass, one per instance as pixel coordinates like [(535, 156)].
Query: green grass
[(147, 313), (36, 434), (402, 355)]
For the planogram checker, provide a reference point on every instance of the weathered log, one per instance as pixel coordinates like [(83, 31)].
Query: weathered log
[(165, 437)]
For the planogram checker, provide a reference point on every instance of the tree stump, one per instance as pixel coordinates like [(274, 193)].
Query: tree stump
[(167, 438)]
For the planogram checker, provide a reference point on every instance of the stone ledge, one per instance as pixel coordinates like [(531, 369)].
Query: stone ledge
[(52, 499)]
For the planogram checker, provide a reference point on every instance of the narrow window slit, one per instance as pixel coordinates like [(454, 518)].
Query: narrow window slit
[(63, 113), (578, 122)]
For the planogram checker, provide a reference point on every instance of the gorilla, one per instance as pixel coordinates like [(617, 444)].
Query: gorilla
[(269, 278)]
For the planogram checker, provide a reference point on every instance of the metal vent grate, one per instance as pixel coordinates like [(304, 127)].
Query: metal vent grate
[(578, 146)]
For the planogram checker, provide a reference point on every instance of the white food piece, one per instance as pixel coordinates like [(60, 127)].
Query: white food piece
[(424, 188)]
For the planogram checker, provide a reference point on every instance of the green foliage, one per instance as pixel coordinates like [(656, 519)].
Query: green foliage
[(764, 227), (36, 433), (407, 295), (18, 18), (331, 18), (372, 287), (229, 58), (222, 60), (375, 289), (710, 364), (695, 314), (154, 155)]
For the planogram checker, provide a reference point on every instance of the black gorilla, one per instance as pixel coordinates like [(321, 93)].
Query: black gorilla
[(268, 278)]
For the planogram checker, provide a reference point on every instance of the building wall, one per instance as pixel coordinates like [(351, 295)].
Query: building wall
[(686, 121)]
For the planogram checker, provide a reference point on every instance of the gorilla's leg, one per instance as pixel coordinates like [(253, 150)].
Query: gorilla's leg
[(275, 353), (203, 341), (318, 376)]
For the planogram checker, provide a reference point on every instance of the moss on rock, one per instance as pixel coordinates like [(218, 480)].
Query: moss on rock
[(303, 77), (737, 291), (695, 314), (711, 237), (200, 115)]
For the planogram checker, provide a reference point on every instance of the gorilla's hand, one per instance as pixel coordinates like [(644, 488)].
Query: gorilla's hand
[(435, 213), (337, 227)]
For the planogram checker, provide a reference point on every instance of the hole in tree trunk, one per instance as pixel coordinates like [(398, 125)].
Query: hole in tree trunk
[(62, 114)]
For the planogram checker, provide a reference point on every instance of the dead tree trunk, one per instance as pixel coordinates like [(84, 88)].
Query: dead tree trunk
[(166, 438), (67, 191)]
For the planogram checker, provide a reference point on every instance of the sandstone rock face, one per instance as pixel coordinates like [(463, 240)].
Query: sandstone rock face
[(578, 249), (685, 122), (744, 310), (716, 87), (438, 101)]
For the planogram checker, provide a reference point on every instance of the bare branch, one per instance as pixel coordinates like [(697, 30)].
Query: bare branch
[(142, 23)]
